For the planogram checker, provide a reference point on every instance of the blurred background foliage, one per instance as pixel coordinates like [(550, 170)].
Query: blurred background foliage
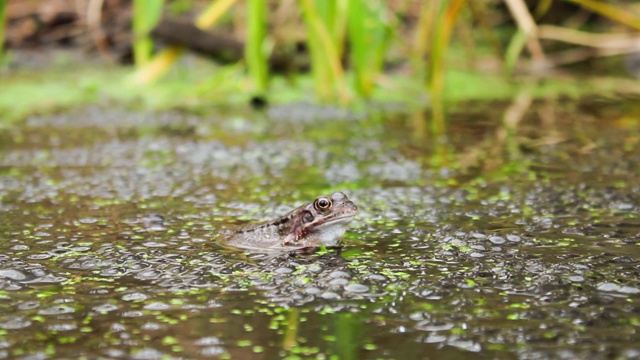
[(347, 51)]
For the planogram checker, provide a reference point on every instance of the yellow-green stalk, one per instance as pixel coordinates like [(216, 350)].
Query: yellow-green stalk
[(369, 35), (255, 52), (146, 14), (327, 72)]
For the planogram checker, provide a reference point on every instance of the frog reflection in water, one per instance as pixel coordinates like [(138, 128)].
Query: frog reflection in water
[(321, 222)]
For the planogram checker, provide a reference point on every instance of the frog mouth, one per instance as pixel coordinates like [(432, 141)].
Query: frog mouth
[(338, 219), (344, 216)]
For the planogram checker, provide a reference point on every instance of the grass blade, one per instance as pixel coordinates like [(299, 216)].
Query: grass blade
[(146, 14), (528, 26), (213, 13), (255, 53), (163, 61), (325, 61), (611, 11), (517, 43), (334, 15), (369, 35), (422, 39), (156, 67), (441, 38)]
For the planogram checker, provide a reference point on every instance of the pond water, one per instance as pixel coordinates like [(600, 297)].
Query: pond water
[(504, 237)]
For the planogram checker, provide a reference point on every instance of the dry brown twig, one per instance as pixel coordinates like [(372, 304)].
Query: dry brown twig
[(600, 41), (528, 26), (594, 45)]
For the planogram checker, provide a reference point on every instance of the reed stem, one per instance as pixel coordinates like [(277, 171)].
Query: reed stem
[(255, 54), (146, 14)]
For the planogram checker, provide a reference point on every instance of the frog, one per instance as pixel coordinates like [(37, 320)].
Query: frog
[(319, 223)]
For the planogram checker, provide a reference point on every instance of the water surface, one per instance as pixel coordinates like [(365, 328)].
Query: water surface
[(517, 241)]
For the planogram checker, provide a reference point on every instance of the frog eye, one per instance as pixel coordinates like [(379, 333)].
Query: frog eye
[(322, 204)]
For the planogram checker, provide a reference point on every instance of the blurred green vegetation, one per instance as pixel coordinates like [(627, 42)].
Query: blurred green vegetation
[(3, 6), (257, 59), (146, 14), (69, 85), (418, 53)]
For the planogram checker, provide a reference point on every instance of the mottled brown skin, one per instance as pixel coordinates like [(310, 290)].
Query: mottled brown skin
[(321, 222)]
